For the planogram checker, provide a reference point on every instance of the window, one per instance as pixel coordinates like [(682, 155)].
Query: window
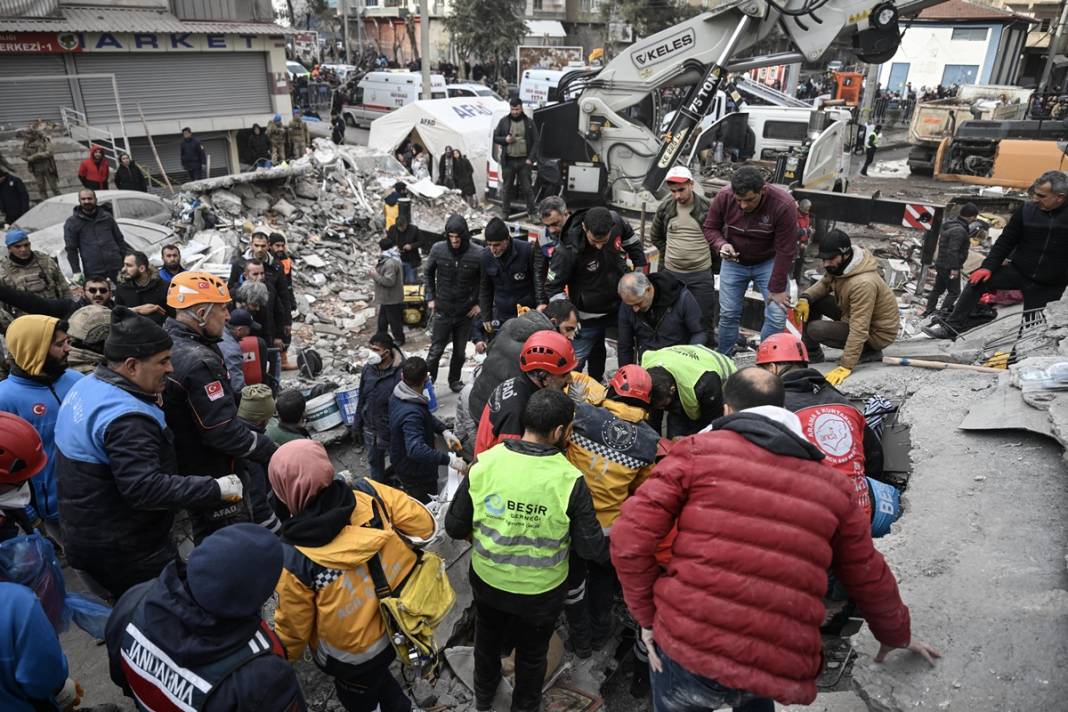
[(786, 130), (959, 74), (1045, 24), (437, 95), (969, 34), (538, 4), (139, 209), (899, 74)]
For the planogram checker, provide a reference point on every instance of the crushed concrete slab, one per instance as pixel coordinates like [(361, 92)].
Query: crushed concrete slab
[(829, 702), (1005, 409)]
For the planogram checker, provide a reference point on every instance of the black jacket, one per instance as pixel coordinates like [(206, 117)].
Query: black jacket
[(953, 244), (590, 275), (501, 133), (1037, 244), (276, 278), (121, 511), (452, 276), (192, 153), (130, 178), (129, 294), (502, 358), (674, 318), (202, 411), (587, 538), (506, 281), (33, 304), (259, 146), (191, 637), (411, 257), (14, 199), (463, 175), (411, 437), (807, 387), (376, 387), (95, 245)]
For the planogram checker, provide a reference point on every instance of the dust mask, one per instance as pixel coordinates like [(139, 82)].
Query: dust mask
[(17, 497), (374, 359)]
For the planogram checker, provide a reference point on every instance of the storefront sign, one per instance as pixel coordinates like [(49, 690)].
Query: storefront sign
[(78, 42)]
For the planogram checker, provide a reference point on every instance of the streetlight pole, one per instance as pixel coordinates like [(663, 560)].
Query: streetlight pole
[(345, 28), (424, 44)]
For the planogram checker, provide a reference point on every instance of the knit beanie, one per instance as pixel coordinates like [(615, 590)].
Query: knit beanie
[(257, 403), (28, 339), (134, 336), (233, 571), (496, 231)]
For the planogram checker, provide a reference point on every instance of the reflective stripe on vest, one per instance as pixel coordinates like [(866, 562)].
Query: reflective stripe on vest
[(521, 538), (250, 360), (837, 430), (687, 363)]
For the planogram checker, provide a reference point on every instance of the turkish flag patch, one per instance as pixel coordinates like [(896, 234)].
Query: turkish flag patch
[(214, 390), (39, 409)]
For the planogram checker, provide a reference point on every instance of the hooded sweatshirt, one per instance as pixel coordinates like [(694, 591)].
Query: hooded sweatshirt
[(94, 175), (453, 275)]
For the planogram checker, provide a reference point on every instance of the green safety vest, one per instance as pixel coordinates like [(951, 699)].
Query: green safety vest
[(521, 528), (687, 363)]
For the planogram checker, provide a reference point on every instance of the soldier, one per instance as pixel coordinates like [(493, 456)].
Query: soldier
[(38, 154), (31, 271), (276, 134), (298, 135)]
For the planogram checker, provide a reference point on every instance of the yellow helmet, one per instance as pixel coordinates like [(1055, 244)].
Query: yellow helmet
[(191, 288)]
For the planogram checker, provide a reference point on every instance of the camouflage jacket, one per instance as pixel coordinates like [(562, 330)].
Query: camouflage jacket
[(276, 134), (41, 277), (38, 154)]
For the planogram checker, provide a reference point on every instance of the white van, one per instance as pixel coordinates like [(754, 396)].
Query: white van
[(539, 87), (778, 128), (379, 93)]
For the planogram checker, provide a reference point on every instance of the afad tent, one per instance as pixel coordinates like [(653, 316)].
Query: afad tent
[(465, 123)]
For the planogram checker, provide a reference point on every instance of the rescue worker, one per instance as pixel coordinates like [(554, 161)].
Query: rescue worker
[(88, 331), (391, 204), (31, 271), (93, 239), (22, 456), (333, 540), (614, 449), (380, 375), (870, 147), (684, 252), (656, 311), (523, 529), (698, 374), (276, 134), (35, 389), (201, 408), (453, 271), (117, 474), (276, 243), (554, 215), (299, 138), (40, 158), (196, 629), (507, 276), (172, 262), (94, 171), (863, 313), (141, 286), (546, 361), (277, 317)]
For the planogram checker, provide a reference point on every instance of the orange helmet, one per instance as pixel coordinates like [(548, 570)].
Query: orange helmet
[(191, 288), (782, 348), (547, 351), (21, 454)]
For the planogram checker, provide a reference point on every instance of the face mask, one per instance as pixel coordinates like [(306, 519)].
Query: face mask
[(16, 498), (374, 359)]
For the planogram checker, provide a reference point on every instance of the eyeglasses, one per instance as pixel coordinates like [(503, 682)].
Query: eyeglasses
[(97, 290)]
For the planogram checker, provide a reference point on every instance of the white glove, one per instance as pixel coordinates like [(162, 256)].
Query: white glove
[(70, 695), (451, 441), (230, 488), (456, 462)]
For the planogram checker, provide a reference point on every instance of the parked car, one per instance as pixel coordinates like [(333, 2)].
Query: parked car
[(456, 90), (147, 237), (130, 204), (296, 69)]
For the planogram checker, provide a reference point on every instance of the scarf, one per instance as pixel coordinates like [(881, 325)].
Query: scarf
[(323, 517)]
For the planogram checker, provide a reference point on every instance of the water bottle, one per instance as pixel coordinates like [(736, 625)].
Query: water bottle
[(432, 398)]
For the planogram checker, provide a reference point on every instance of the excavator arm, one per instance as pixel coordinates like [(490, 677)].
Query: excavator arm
[(700, 52)]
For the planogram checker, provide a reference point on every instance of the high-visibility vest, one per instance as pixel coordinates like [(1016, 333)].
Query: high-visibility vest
[(837, 430), (687, 363), (251, 365), (521, 528)]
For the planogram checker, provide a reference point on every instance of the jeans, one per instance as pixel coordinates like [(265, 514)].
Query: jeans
[(375, 688), (513, 170), (589, 344), (702, 286), (445, 329), (869, 156), (942, 283), (530, 636), (376, 456), (733, 280), (1036, 296), (676, 689), (411, 273), (393, 315)]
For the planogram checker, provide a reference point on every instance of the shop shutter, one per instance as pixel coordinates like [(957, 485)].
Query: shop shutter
[(28, 100), (173, 85), (169, 152)]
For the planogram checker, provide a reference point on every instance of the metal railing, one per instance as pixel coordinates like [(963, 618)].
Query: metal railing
[(77, 126)]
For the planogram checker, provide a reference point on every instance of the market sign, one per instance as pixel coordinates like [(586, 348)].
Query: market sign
[(78, 42)]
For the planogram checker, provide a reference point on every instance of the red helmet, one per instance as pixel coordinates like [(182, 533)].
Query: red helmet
[(547, 351), (782, 348), (21, 454), (633, 381)]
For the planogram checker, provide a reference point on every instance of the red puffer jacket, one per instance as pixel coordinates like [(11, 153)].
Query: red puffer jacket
[(92, 174), (760, 521)]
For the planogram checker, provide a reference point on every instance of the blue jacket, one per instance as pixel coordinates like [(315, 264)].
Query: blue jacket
[(506, 281), (37, 402), (32, 665), (673, 319), (376, 388), (192, 153), (411, 436)]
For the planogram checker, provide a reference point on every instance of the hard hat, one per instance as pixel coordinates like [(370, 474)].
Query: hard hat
[(781, 348), (21, 453), (547, 351), (90, 324), (633, 381), (191, 288)]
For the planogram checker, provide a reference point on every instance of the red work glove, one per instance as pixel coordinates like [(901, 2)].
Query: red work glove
[(979, 275)]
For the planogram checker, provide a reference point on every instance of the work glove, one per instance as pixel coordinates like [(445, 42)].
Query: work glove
[(457, 463), (230, 488), (838, 375), (980, 275), (487, 326), (802, 309), (451, 441), (70, 695)]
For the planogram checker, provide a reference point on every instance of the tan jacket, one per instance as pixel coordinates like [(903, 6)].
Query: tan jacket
[(868, 305)]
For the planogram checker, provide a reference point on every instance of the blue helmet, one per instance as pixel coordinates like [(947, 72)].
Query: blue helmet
[(15, 236), (277, 118)]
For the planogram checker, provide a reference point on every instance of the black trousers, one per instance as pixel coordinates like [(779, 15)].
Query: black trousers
[(422, 490), (512, 170), (530, 635), (591, 591), (944, 282), (371, 689), (393, 315), (446, 329), (1035, 295), (869, 156)]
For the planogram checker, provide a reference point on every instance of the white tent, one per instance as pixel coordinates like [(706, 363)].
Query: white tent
[(465, 123)]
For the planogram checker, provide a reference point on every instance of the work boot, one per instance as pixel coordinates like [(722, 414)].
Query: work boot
[(456, 386), (286, 365), (816, 355), (940, 330)]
